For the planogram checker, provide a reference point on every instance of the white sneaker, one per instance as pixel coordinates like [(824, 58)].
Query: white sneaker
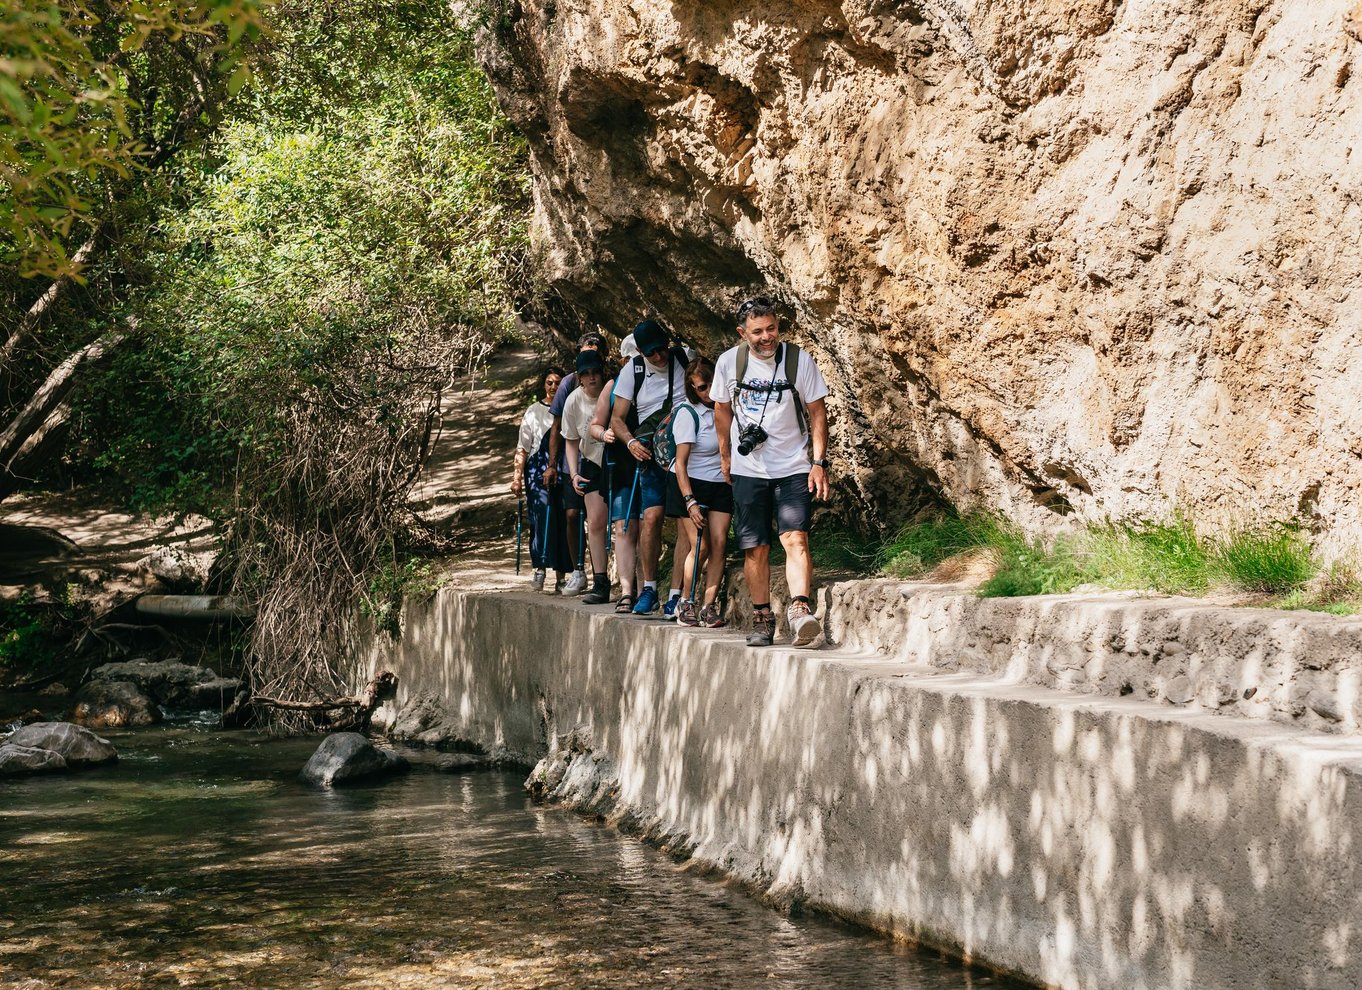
[(576, 583), (537, 579)]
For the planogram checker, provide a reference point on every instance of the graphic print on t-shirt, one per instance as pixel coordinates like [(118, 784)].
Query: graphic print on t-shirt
[(757, 395)]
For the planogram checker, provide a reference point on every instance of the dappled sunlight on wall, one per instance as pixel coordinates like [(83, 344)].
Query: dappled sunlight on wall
[(1084, 841)]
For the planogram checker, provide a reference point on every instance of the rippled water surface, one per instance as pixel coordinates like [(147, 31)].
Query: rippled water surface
[(199, 861)]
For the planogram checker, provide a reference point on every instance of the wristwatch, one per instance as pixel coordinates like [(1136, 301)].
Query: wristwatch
[(821, 462)]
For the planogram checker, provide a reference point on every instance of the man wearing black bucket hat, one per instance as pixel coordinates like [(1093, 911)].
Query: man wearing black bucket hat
[(769, 410), (645, 391)]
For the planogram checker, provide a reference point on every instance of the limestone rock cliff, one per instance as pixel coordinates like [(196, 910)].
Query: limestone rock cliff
[(1083, 258)]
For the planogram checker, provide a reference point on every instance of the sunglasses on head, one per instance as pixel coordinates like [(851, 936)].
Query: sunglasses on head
[(747, 305)]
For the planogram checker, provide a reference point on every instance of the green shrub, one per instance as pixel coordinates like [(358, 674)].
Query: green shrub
[(1163, 556), (919, 546), (27, 637), (1028, 567), (1275, 559)]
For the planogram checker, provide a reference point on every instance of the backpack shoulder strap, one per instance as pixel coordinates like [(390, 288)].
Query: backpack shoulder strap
[(639, 372), (740, 372), (791, 376)]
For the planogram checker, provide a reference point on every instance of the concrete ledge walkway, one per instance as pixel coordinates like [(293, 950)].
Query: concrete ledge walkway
[(1080, 841)]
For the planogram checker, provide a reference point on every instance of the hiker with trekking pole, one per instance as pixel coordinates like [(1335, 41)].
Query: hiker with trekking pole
[(586, 462), (548, 536), (646, 390), (698, 496)]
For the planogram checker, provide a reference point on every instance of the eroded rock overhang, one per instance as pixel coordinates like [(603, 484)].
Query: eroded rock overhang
[(1089, 259)]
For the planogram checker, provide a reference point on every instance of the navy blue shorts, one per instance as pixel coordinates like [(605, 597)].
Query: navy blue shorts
[(754, 500), (631, 498)]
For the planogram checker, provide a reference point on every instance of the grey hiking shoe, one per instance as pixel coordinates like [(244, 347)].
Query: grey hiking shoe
[(804, 625), (685, 613), (711, 617), (537, 579), (763, 628)]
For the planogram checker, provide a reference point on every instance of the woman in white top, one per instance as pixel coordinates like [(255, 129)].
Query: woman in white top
[(586, 461), (698, 496), (548, 539)]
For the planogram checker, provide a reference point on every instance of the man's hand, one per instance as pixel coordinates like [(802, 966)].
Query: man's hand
[(640, 450), (818, 482), (551, 476)]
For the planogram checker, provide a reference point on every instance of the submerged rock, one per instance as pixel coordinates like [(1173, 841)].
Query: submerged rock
[(174, 684), (114, 705), (16, 760), (78, 746), (347, 756), (460, 762)]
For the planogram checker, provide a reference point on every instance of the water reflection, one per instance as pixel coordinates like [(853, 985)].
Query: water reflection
[(199, 861)]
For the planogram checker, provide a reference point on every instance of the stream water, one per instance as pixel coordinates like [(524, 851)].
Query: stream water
[(199, 860)]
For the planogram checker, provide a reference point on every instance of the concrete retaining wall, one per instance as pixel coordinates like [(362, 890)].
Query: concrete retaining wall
[(1080, 841), (1301, 668)]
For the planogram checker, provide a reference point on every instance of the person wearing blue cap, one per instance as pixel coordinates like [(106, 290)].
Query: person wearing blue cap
[(645, 393)]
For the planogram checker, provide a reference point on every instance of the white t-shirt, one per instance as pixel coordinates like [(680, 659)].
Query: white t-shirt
[(578, 412), (785, 451), (703, 462), (536, 423), (654, 390)]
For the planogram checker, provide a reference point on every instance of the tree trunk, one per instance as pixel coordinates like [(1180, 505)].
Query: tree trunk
[(9, 351), (26, 441)]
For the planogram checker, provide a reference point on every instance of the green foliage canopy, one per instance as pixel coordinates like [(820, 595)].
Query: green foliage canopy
[(81, 86)]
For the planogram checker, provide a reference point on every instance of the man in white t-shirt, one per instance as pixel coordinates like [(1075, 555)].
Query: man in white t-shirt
[(660, 381), (766, 423)]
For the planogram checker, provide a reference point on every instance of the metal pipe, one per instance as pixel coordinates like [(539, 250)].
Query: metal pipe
[(208, 607)]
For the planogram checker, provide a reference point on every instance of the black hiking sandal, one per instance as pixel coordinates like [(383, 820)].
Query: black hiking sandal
[(763, 628), (625, 606)]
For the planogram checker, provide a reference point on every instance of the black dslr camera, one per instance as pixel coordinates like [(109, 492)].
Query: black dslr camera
[(750, 437)]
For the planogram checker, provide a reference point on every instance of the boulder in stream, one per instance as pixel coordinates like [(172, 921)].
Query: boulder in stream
[(114, 705), (78, 746), (174, 684), (16, 760), (347, 756)]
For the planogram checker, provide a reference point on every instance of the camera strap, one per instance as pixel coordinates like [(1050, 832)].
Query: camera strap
[(788, 355)]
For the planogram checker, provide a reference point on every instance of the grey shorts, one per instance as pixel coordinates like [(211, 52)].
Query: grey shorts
[(754, 499)]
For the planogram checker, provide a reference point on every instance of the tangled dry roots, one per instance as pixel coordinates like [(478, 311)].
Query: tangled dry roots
[(324, 511)]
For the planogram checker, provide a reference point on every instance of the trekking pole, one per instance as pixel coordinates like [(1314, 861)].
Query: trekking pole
[(695, 568), (609, 502), (629, 512), (519, 509), (548, 518)]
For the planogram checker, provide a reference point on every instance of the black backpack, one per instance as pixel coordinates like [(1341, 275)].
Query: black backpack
[(644, 431)]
